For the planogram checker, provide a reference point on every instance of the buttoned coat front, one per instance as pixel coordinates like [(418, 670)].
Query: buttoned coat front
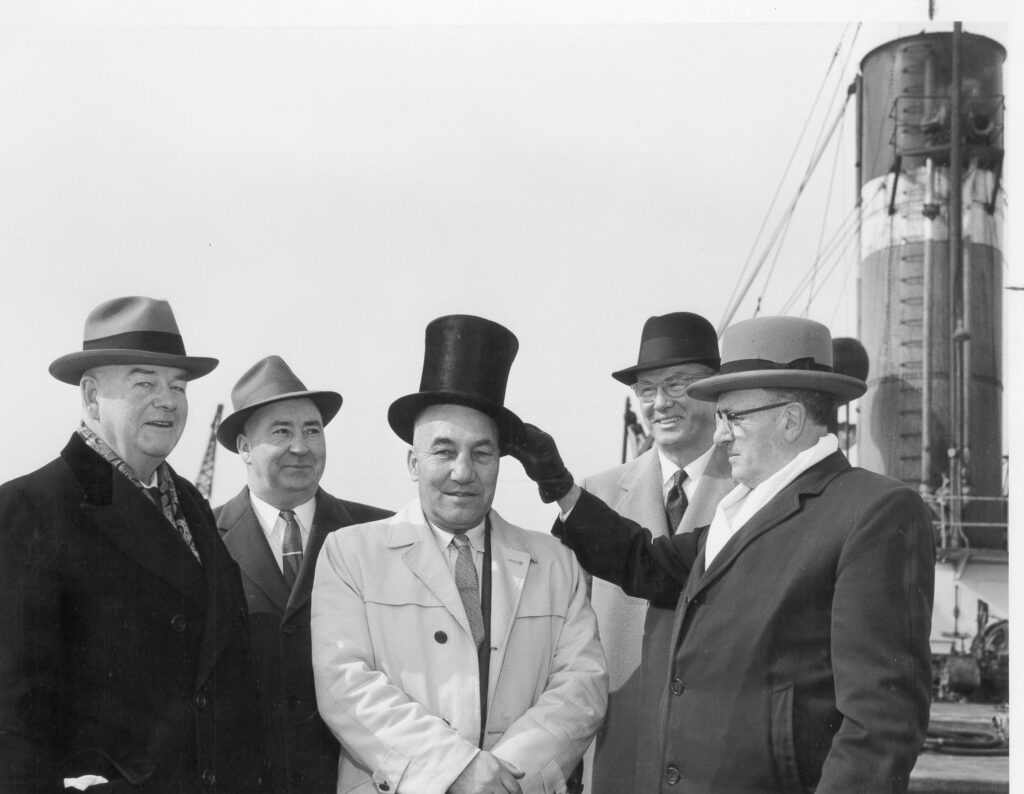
[(800, 657), (302, 755), (636, 635), (121, 655), (396, 666)]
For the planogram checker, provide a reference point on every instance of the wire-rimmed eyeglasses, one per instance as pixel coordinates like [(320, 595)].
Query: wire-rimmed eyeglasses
[(729, 418), (673, 387)]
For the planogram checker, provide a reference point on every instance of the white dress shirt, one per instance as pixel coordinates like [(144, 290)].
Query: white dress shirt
[(737, 506), (273, 525), (694, 470)]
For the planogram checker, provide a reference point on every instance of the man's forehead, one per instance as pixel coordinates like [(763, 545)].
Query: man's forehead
[(741, 398), (454, 422), (300, 409), (660, 373)]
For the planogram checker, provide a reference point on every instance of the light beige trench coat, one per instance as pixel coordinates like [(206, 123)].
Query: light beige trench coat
[(396, 667)]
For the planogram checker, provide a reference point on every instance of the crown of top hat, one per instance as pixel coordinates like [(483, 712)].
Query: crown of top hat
[(676, 338), (466, 361), (270, 380), (778, 353), (132, 330)]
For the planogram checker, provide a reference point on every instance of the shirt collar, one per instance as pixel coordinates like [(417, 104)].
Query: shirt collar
[(694, 469), (267, 514), (444, 538)]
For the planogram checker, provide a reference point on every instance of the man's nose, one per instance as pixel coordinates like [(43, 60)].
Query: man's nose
[(462, 469), (661, 400), (163, 397), (299, 445), (723, 433)]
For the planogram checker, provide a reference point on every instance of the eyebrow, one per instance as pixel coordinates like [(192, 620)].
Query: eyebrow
[(178, 375)]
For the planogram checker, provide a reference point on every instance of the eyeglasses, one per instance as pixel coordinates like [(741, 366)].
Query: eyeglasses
[(729, 418), (673, 388)]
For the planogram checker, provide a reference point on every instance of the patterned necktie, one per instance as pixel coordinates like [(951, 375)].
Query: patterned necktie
[(291, 547), (469, 587), (676, 503)]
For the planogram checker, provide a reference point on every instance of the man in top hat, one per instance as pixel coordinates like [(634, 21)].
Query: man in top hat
[(672, 487), (125, 653), (800, 654), (454, 651), (274, 529)]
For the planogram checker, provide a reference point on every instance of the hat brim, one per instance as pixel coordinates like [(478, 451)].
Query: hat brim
[(843, 387), (403, 412), (629, 375), (70, 368), (328, 402)]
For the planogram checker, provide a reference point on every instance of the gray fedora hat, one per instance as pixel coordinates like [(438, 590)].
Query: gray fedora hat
[(778, 353), (270, 380), (132, 330)]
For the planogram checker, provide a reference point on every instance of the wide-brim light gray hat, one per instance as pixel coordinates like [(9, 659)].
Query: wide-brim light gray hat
[(132, 330), (777, 353), (270, 380)]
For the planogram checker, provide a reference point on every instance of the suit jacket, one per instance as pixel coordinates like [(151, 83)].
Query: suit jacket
[(396, 666), (635, 636), (301, 752), (800, 657), (121, 656)]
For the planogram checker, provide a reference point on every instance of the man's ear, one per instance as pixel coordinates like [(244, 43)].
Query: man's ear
[(796, 420), (244, 447), (412, 462), (90, 391)]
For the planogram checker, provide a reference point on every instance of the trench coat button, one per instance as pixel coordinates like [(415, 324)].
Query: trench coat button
[(200, 701), (383, 786), (289, 629), (208, 778), (293, 702), (677, 686), (441, 638), (671, 776), (178, 623)]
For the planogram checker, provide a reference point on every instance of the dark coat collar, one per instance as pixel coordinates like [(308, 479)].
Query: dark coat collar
[(247, 543)]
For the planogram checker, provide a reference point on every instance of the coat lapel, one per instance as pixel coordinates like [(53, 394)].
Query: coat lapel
[(642, 497), (510, 565), (329, 515), (409, 531), (245, 539), (137, 527), (784, 505)]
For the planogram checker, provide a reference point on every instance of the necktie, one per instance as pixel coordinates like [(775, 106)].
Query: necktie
[(291, 547), (469, 587), (676, 503)]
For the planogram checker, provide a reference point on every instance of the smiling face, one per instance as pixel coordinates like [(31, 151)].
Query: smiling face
[(284, 449), (454, 461), (140, 411), (682, 427)]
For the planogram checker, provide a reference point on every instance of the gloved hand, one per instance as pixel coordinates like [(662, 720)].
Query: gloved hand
[(536, 450)]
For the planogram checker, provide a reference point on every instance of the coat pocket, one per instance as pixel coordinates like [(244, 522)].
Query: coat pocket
[(783, 745)]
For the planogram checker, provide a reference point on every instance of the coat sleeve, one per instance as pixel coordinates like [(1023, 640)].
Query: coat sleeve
[(394, 737), (549, 739), (622, 552), (881, 622), (30, 624)]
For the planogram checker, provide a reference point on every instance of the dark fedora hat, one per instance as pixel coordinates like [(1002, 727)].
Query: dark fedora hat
[(778, 353), (676, 338), (132, 330), (270, 380), (466, 362)]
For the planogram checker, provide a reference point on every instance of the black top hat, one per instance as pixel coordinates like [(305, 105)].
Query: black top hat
[(270, 380), (466, 362), (676, 338)]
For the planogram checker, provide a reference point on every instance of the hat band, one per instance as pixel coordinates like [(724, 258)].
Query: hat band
[(755, 364), (148, 341)]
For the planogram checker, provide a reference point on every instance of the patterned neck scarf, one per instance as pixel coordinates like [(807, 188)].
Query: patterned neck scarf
[(165, 497)]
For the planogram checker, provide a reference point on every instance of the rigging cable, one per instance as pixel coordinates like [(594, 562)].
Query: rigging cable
[(785, 173)]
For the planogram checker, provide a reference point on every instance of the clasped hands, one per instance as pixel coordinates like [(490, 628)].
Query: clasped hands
[(487, 774)]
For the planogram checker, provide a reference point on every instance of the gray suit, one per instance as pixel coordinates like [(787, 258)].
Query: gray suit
[(636, 636)]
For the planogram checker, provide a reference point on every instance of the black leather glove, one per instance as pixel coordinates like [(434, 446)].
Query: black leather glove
[(536, 450)]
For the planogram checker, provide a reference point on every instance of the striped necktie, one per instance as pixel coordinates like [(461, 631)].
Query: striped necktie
[(291, 548), (676, 502), (469, 587)]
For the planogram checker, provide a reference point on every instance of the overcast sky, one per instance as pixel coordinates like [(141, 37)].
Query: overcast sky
[(322, 191)]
